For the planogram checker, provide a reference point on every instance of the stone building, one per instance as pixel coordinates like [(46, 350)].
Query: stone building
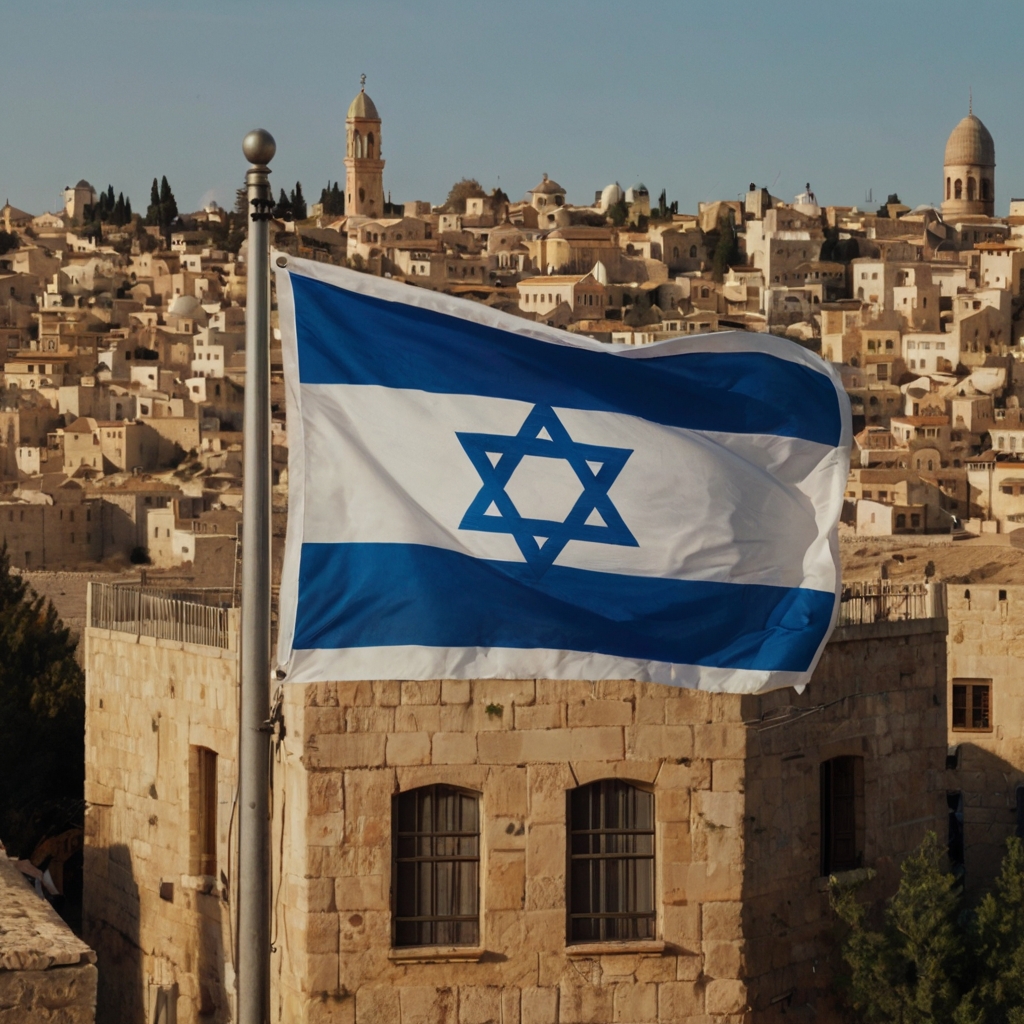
[(364, 166), (985, 702), (523, 852), (47, 975), (969, 171)]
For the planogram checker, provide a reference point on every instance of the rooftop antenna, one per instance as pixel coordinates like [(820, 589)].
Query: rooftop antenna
[(970, 100), (362, 82)]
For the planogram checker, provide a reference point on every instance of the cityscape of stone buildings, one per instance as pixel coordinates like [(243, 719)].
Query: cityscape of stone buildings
[(121, 452)]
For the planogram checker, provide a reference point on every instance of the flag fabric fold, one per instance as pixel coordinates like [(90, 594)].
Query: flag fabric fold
[(476, 495)]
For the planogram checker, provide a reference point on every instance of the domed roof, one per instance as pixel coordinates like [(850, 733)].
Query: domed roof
[(971, 143), (610, 195), (547, 187), (362, 106), (83, 184), (187, 305), (639, 189)]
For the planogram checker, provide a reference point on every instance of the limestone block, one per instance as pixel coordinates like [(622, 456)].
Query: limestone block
[(427, 1004), (714, 741), (616, 966), (545, 851), (722, 920), (634, 770), (377, 1004), (369, 793), (507, 793), (408, 748), (650, 711), (421, 691), (503, 747), (602, 743), (539, 1005), (370, 719), (479, 1004), (545, 894), (321, 972), (547, 786), (539, 716), (678, 1000), (634, 1003), (510, 1008), (455, 691), (326, 1008), (688, 968), (323, 720), (682, 927), (686, 773), (350, 750), (504, 691), (656, 968), (469, 776), (321, 932), (727, 775), (551, 966), (324, 792), (725, 996), (723, 959), (561, 691), (388, 692), (351, 694), (546, 928), (585, 1004), (719, 810), (687, 707), (453, 748), (359, 892), (506, 880), (582, 714), (668, 741), (324, 829), (315, 895), (418, 718)]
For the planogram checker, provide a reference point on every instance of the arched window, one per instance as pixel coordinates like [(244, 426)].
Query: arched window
[(436, 867), (958, 189), (901, 521), (693, 252), (842, 813), (611, 862), (948, 188), (357, 144), (675, 252), (362, 195), (971, 188), (986, 189), (369, 145)]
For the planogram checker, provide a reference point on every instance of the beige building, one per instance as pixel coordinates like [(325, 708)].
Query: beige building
[(364, 166), (524, 852), (969, 171)]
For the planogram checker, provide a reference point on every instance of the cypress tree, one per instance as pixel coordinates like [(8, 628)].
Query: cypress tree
[(168, 205), (298, 202), (283, 210)]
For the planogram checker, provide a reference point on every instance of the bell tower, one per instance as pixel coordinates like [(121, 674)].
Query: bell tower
[(364, 167)]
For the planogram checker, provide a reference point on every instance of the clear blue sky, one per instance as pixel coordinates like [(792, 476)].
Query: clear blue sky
[(697, 98)]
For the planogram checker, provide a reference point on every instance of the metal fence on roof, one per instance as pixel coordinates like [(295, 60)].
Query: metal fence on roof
[(885, 601), (160, 614)]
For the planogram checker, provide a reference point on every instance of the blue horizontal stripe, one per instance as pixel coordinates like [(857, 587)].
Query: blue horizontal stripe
[(383, 595), (348, 338)]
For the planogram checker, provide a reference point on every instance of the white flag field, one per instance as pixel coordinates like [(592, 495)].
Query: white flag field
[(476, 495)]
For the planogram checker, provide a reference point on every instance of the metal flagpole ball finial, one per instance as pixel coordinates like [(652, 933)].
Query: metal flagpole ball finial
[(259, 146)]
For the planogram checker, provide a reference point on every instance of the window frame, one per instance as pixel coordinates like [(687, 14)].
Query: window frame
[(635, 915), (969, 686), (434, 920), (854, 832)]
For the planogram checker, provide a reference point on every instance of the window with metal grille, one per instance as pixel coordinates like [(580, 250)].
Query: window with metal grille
[(611, 862), (436, 867), (972, 705), (842, 796)]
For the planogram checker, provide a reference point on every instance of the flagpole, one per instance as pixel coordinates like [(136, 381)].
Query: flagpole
[(254, 876)]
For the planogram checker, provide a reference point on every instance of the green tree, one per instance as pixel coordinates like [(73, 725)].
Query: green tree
[(332, 199), (8, 240), (283, 210), (917, 968), (42, 717), (153, 211), (727, 252), (466, 188), (168, 204), (618, 213), (119, 218), (298, 202)]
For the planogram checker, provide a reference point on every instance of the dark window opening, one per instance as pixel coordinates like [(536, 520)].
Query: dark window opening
[(203, 810), (611, 862), (436, 867), (842, 796), (972, 706), (1019, 829)]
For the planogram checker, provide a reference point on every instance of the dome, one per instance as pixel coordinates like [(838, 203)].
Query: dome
[(187, 305), (83, 184), (362, 106), (547, 187), (634, 193), (610, 196), (970, 143)]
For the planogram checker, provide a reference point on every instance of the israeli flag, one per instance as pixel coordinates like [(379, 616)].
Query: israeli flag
[(475, 495)]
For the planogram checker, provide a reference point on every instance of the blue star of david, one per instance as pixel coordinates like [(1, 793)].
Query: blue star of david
[(593, 518)]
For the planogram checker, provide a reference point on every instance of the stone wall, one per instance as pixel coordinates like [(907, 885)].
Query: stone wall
[(743, 919), (986, 642), (47, 975), (160, 931)]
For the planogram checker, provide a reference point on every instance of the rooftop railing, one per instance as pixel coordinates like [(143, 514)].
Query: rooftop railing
[(885, 601), (164, 615)]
